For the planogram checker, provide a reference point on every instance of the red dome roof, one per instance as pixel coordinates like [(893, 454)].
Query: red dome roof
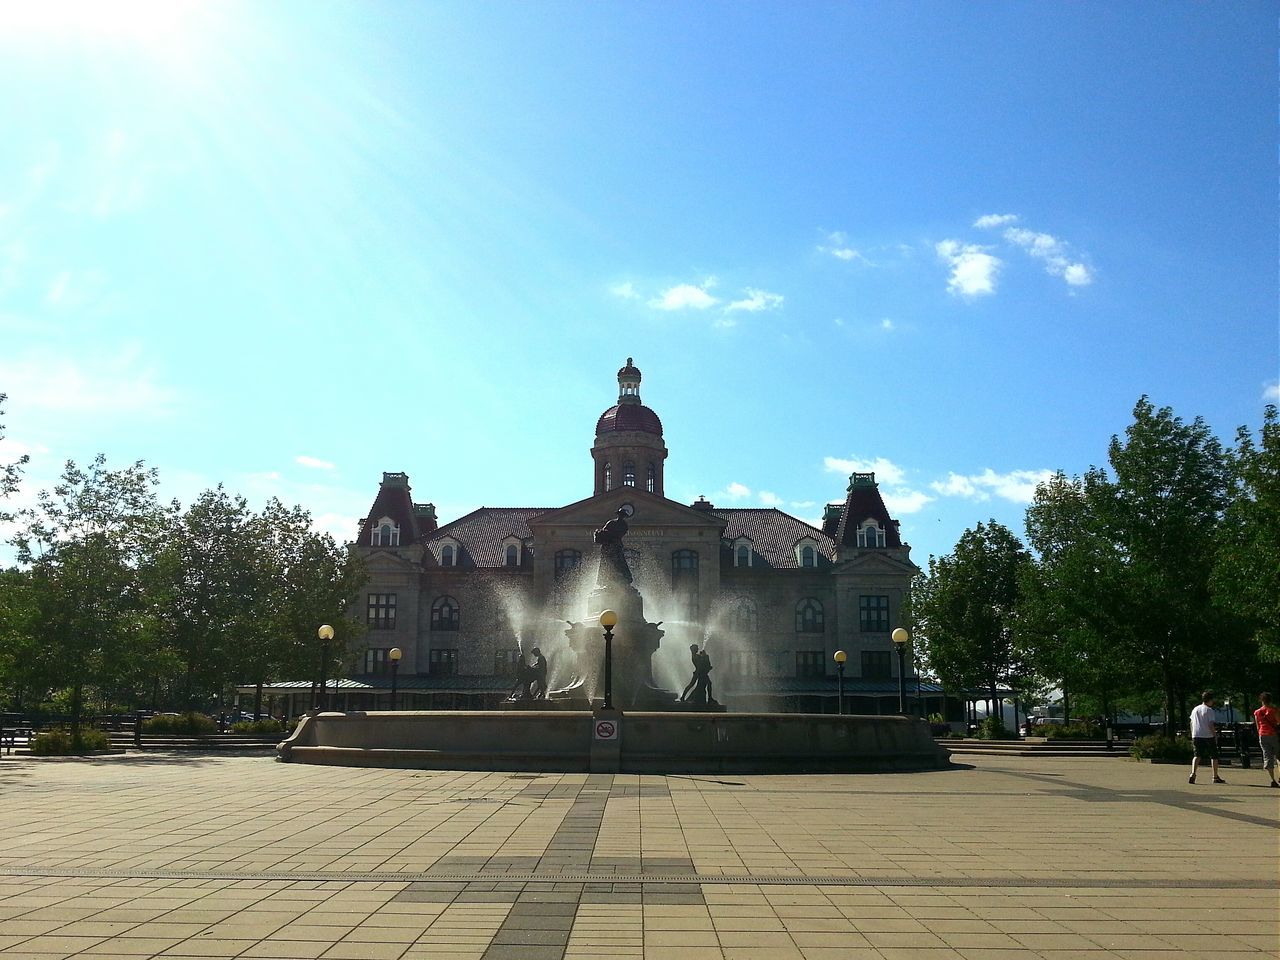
[(629, 416)]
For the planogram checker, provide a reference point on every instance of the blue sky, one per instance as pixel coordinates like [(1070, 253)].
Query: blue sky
[(288, 246)]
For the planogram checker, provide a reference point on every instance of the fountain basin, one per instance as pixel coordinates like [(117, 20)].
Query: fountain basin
[(647, 742)]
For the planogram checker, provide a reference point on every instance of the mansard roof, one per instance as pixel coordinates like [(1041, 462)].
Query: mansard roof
[(864, 502), (394, 500), (480, 534), (773, 534)]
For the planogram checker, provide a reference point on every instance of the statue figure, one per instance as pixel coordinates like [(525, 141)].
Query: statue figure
[(531, 678), (613, 562), (698, 689)]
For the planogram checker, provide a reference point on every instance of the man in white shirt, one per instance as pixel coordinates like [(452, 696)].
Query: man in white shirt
[(1204, 735)]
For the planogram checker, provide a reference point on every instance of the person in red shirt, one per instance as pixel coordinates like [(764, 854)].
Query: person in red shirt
[(1267, 720)]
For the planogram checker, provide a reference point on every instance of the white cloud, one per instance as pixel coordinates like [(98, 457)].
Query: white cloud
[(626, 291), (736, 491), (770, 499), (887, 324), (314, 463), (1059, 259), (686, 296), (987, 221), (1271, 391), (106, 384), (1018, 486), (886, 471), (69, 290), (840, 249), (802, 504), (973, 270), (755, 301), (902, 500)]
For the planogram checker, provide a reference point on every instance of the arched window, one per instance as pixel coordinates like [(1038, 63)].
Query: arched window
[(870, 534), (651, 480), (684, 580), (513, 555), (809, 616), (745, 619), (683, 564), (608, 475), (744, 556), (445, 614), (567, 561), (808, 556), (628, 474), (386, 533), (448, 556)]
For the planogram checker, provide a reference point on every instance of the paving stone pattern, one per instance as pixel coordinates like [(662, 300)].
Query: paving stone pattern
[(183, 857)]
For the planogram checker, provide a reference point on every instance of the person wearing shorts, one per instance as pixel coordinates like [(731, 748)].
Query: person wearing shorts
[(1204, 735), (1266, 720)]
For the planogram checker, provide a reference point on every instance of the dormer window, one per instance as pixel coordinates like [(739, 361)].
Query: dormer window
[(742, 552), (511, 552), (386, 533), (807, 553), (870, 534), (447, 552)]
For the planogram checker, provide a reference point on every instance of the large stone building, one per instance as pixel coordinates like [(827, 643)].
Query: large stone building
[(772, 596)]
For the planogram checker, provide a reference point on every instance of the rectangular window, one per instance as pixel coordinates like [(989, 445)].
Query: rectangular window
[(873, 614), (875, 665), (810, 663), (745, 663), (376, 661), (382, 611), (443, 663)]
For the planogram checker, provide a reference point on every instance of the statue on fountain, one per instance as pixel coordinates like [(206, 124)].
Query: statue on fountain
[(698, 689), (531, 678), (613, 561)]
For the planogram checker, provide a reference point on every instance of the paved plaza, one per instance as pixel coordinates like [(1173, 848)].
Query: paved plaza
[(1010, 858)]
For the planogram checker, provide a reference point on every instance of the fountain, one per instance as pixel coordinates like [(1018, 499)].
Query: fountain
[(579, 728)]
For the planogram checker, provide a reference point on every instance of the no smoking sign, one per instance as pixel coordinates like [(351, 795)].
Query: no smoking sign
[(606, 730)]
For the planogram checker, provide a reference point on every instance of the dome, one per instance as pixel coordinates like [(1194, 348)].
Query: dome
[(629, 372), (624, 417)]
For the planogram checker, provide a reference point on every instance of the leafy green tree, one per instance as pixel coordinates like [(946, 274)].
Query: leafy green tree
[(86, 542), (10, 473), (966, 610), (1246, 574)]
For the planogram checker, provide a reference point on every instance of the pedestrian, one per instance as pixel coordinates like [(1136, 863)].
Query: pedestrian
[(1204, 736), (1267, 721)]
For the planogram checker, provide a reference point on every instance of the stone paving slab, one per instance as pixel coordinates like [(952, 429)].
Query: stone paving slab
[(189, 856)]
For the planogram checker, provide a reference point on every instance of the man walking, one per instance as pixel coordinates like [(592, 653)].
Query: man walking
[(1266, 721), (1204, 735)]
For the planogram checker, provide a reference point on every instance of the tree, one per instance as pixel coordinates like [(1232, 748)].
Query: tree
[(10, 473), (966, 609), (86, 543), (1246, 573)]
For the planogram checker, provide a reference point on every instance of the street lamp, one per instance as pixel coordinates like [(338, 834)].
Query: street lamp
[(394, 654), (608, 620), (325, 633), (840, 658), (900, 640)]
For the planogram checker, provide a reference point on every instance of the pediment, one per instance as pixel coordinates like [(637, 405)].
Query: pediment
[(387, 560), (651, 512), (876, 562)]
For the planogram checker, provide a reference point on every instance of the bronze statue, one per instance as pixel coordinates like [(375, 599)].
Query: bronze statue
[(613, 562), (531, 678), (698, 689)]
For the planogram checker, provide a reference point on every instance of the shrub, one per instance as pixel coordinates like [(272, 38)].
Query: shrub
[(58, 742), (1081, 730), (1161, 747), (189, 724), (265, 725), (993, 728)]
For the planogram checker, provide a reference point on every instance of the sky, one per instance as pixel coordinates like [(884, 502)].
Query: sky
[(285, 247)]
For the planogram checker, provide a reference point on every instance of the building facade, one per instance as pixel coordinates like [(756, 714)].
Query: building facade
[(772, 597)]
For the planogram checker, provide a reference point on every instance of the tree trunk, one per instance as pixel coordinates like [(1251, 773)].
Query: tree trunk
[(1170, 699), (1066, 705), (76, 692), (257, 701)]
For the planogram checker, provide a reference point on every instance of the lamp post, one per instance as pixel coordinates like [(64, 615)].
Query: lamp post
[(900, 640), (325, 633), (840, 658), (608, 620), (394, 655)]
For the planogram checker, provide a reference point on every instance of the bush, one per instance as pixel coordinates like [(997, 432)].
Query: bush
[(265, 725), (188, 724), (1081, 730), (993, 728), (1161, 747), (58, 742)]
